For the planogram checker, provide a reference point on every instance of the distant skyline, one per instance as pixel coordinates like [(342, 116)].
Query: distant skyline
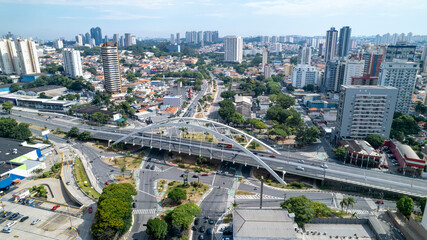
[(51, 19)]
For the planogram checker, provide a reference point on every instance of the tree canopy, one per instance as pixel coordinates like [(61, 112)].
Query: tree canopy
[(302, 207), (177, 194), (7, 106), (228, 94), (9, 128), (375, 140), (405, 205), (306, 135), (157, 228), (403, 125), (74, 132)]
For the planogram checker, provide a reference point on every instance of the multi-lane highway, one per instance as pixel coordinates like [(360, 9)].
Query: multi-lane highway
[(288, 163), (191, 110)]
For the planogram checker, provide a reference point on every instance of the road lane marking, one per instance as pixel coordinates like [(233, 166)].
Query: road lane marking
[(149, 194)]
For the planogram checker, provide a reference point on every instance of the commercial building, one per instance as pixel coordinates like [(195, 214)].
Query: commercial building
[(353, 68), (110, 63), (233, 49), (304, 55), (303, 75), (401, 75), (243, 105), (331, 44), (86, 111), (20, 160), (344, 41), (410, 163), (72, 62), (334, 76), (400, 51), (267, 71), (365, 110), (96, 34), (264, 58), (360, 152), (173, 101), (263, 224), (19, 56)]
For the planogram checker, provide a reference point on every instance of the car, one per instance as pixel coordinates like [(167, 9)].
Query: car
[(195, 176), (205, 174), (378, 201), (300, 168), (24, 219), (148, 166), (211, 221), (194, 228), (301, 161), (13, 216), (68, 183), (196, 221), (182, 175), (206, 217), (152, 167), (272, 156), (57, 116), (209, 231), (201, 237), (148, 159), (219, 171), (11, 224), (107, 183), (225, 173), (35, 221), (55, 207), (31, 202), (7, 230), (382, 202), (90, 210), (134, 204), (324, 165), (202, 229)]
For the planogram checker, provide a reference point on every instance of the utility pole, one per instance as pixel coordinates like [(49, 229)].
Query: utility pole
[(262, 188), (284, 198)]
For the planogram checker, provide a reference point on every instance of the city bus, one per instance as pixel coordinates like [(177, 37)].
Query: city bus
[(224, 144)]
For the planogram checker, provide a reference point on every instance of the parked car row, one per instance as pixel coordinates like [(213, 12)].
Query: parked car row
[(14, 217)]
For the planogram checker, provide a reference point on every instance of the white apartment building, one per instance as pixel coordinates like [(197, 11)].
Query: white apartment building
[(19, 56), (72, 62), (79, 40), (110, 63), (365, 110), (233, 49), (304, 55), (303, 75), (173, 101), (353, 68), (401, 75), (58, 44)]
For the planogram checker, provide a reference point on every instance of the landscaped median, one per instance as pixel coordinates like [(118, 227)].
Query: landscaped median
[(83, 180), (174, 193)]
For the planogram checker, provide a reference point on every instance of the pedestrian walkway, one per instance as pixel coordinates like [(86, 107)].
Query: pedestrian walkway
[(150, 211), (255, 196)]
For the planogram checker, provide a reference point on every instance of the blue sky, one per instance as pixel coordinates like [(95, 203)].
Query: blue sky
[(50, 19)]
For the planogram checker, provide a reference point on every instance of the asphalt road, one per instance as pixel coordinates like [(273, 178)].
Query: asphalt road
[(194, 102)]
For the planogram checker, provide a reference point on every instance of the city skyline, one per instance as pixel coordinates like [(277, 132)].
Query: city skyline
[(163, 17)]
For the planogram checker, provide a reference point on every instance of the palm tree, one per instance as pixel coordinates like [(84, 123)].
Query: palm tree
[(123, 170), (234, 204), (350, 202), (343, 203)]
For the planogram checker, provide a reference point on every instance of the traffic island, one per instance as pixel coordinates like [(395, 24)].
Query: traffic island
[(193, 163), (83, 180), (174, 193)]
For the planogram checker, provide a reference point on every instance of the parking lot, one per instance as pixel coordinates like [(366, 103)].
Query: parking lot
[(52, 224)]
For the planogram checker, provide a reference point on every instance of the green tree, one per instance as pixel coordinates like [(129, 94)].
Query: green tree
[(321, 210), (14, 87), (290, 88), (302, 207), (7, 106), (21, 132), (285, 101), (340, 152), (236, 118), (405, 205), (305, 135), (177, 194), (157, 228), (375, 140), (422, 204), (273, 87), (100, 117), (405, 124), (84, 136), (74, 132), (129, 90), (7, 125), (123, 170), (227, 109), (228, 94)]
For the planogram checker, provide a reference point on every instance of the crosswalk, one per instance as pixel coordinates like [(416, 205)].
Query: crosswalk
[(150, 211), (255, 196)]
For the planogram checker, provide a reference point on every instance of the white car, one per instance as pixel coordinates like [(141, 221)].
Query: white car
[(11, 224), (301, 161), (35, 221), (300, 168), (324, 165), (7, 230)]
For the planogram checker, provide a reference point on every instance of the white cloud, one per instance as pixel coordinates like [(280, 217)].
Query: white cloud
[(148, 4), (313, 8)]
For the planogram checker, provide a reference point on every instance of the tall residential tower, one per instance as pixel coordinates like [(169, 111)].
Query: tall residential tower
[(110, 63)]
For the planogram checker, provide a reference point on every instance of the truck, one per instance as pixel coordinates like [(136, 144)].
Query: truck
[(21, 194)]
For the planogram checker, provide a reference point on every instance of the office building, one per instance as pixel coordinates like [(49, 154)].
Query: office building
[(178, 38), (303, 75), (173, 48), (365, 110), (366, 79), (353, 68), (58, 44), (401, 75), (331, 44), (264, 58), (110, 63), (334, 76), (128, 40), (96, 34), (304, 55), (72, 62), (116, 38), (87, 38), (320, 49), (19, 56), (344, 41), (173, 101), (233, 49), (200, 37), (400, 51), (172, 39), (79, 40)]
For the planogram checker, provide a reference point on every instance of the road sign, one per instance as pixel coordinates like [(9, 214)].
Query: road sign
[(45, 132)]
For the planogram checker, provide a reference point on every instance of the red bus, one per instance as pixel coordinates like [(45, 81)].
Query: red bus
[(224, 144)]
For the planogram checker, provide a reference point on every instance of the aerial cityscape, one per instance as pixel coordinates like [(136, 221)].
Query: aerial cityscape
[(270, 120)]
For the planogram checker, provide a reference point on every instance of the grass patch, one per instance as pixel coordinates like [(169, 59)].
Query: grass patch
[(241, 192), (125, 179), (161, 185), (199, 137), (341, 214), (194, 191), (83, 180), (228, 218), (132, 162)]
